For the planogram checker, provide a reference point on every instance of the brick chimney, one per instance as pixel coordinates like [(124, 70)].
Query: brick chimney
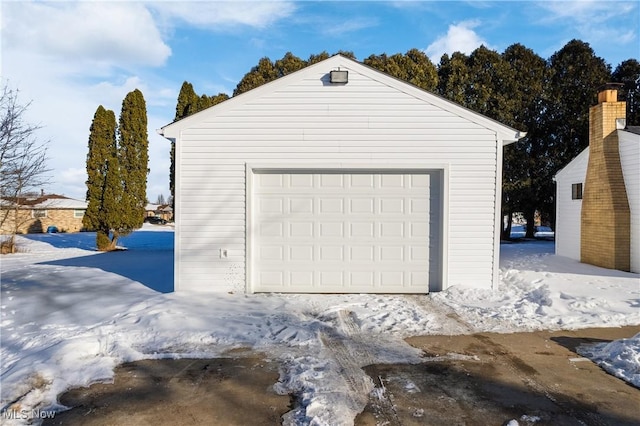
[(605, 230)]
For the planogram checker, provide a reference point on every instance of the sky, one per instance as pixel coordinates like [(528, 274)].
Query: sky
[(66, 58), (70, 314)]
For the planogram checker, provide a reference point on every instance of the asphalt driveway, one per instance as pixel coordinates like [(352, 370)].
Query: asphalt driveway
[(481, 379)]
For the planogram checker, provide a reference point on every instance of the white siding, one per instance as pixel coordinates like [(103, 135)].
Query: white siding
[(308, 121), (630, 160), (568, 211)]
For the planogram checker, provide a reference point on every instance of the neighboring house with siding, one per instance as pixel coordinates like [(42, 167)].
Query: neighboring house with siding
[(598, 193), (337, 178), (163, 211), (36, 213)]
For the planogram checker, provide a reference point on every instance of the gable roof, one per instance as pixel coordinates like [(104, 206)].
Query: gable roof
[(629, 134), (504, 133), (576, 162)]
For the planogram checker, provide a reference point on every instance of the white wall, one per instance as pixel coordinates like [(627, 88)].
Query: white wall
[(301, 119), (568, 211), (630, 160)]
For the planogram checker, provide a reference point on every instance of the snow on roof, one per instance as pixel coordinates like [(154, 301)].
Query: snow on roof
[(156, 207), (47, 201)]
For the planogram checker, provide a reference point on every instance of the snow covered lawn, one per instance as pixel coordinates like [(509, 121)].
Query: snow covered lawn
[(70, 315)]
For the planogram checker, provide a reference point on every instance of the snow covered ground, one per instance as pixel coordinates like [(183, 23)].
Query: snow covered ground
[(69, 315)]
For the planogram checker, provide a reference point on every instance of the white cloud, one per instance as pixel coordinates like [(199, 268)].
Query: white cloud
[(68, 58), (593, 19), (459, 38), (334, 29), (222, 15), (108, 33), (73, 181)]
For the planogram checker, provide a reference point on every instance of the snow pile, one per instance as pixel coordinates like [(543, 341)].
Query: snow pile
[(69, 315), (539, 290), (620, 358)]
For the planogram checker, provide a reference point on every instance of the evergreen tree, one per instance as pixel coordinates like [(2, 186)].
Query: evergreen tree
[(104, 189), (318, 58), (490, 85), (133, 157), (575, 73), (453, 77), (520, 177), (413, 67), (288, 64), (187, 101), (262, 73), (346, 53), (628, 73)]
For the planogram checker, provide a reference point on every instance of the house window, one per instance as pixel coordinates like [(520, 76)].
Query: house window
[(78, 213), (39, 214), (576, 191)]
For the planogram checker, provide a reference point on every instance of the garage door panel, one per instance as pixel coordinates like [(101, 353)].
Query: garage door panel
[(300, 253), (392, 181), (421, 181), (301, 229), (343, 232), (362, 229), (300, 181), (362, 205), (301, 205), (362, 253), (331, 230), (391, 206), (391, 229), (361, 181)]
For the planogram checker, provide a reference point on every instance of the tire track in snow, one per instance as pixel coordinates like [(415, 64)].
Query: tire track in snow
[(350, 353), (451, 322)]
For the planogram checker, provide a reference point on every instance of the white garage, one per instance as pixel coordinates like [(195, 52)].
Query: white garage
[(310, 185)]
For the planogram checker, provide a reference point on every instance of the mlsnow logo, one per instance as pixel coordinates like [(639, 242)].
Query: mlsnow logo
[(27, 414)]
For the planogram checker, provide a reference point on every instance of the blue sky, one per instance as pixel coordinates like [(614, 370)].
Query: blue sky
[(69, 57)]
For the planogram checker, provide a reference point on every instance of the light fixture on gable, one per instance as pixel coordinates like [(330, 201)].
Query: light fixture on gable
[(339, 76)]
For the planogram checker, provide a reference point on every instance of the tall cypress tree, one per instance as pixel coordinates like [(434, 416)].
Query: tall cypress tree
[(187, 101), (133, 156), (104, 188)]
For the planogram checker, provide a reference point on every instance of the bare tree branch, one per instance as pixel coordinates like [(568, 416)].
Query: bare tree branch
[(23, 160)]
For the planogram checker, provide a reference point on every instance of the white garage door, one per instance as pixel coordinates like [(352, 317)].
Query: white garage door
[(342, 232)]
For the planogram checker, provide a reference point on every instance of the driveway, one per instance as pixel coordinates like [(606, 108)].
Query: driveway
[(490, 379), (481, 379)]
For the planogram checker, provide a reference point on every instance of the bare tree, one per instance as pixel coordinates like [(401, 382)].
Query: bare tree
[(23, 158)]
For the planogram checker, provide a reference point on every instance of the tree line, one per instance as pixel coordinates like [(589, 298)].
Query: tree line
[(549, 99), (117, 168)]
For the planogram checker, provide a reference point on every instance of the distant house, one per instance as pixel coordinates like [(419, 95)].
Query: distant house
[(337, 178), (598, 193), (35, 214), (162, 211)]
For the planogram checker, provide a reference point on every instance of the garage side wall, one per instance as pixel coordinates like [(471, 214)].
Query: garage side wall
[(568, 210), (310, 121)]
